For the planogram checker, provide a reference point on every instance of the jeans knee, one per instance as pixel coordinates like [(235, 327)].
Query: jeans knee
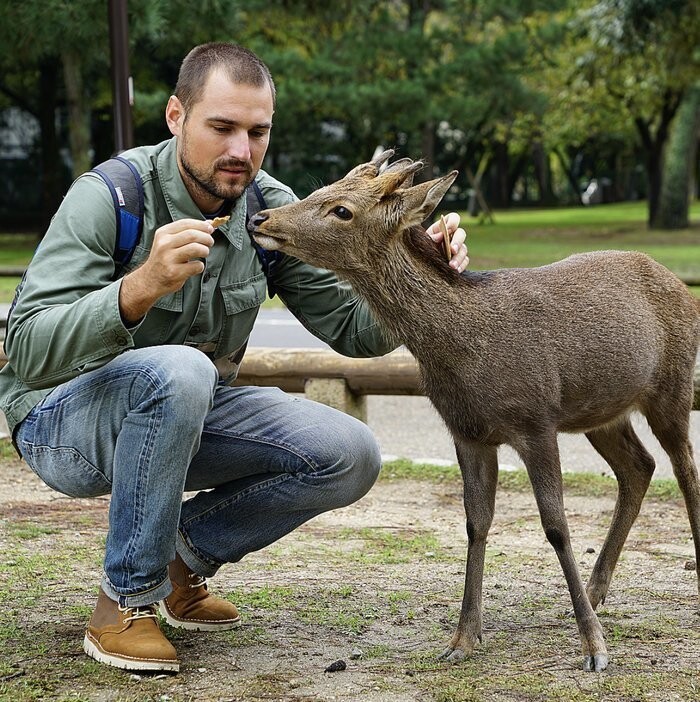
[(180, 375), (359, 462)]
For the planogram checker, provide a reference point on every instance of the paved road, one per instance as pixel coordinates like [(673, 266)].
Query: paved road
[(409, 427)]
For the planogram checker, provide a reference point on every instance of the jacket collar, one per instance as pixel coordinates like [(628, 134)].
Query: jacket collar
[(180, 203)]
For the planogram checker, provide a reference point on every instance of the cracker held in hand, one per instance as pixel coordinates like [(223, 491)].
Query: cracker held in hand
[(219, 221)]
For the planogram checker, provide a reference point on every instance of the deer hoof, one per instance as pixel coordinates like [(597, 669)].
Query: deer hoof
[(595, 664), (452, 655)]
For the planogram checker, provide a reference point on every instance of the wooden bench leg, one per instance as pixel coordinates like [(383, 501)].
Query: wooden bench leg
[(335, 392)]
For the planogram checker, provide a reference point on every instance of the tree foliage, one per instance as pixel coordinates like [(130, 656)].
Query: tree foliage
[(525, 96)]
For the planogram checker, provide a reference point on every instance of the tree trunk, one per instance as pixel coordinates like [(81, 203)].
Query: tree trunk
[(542, 174), (566, 165), (654, 145), (500, 179), (78, 114), (51, 181), (679, 164)]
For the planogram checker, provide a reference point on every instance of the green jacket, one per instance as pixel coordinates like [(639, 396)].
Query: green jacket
[(67, 319)]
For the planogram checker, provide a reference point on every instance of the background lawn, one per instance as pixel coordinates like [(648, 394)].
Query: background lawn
[(519, 238)]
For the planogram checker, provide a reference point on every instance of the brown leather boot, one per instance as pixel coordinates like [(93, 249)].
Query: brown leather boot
[(191, 606), (128, 637)]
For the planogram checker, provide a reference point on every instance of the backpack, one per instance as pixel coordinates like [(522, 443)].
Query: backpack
[(124, 183)]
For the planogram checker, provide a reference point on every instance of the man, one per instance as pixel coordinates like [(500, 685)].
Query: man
[(120, 384)]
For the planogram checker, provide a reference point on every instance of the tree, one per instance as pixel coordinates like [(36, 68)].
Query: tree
[(54, 64), (644, 55), (681, 158)]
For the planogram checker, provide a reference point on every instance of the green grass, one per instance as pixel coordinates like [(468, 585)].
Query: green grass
[(519, 238), (387, 547), (25, 531), (517, 480), (536, 237)]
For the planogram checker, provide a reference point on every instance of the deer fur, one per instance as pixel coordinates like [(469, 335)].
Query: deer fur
[(513, 357)]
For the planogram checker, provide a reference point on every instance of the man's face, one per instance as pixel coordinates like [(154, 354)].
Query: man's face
[(222, 139)]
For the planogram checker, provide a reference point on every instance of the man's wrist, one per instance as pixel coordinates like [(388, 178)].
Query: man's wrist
[(135, 299)]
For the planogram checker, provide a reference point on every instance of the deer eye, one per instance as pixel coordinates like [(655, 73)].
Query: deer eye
[(342, 212)]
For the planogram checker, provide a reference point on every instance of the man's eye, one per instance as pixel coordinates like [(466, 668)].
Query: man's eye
[(342, 212), (221, 130)]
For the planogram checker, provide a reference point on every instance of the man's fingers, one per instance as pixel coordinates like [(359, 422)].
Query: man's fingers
[(182, 238), (181, 225), (190, 251)]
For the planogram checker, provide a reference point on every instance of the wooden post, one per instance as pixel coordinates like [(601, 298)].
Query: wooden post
[(121, 80), (336, 393)]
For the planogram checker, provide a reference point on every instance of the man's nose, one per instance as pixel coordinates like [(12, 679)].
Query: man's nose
[(239, 147)]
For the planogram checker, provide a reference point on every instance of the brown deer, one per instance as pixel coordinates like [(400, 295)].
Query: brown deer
[(513, 357)]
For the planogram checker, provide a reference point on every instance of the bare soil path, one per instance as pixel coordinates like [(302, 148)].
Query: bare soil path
[(377, 585)]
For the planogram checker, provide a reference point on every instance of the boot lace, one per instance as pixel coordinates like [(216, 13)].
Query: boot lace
[(197, 581), (140, 612)]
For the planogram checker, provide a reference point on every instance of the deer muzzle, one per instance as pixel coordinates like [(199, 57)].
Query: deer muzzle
[(262, 238)]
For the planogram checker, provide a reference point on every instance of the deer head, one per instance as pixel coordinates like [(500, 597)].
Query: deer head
[(340, 225)]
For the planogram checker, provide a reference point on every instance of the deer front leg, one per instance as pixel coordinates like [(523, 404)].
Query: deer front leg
[(479, 466), (541, 457)]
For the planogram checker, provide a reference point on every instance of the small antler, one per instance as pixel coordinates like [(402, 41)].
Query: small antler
[(400, 174), (371, 169), (380, 160), (393, 176)]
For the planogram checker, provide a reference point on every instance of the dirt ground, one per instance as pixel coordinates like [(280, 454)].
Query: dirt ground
[(376, 585)]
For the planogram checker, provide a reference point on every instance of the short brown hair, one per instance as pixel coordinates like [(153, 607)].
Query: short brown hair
[(240, 64)]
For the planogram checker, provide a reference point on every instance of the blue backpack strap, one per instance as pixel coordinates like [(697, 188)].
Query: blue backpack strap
[(126, 188), (255, 202)]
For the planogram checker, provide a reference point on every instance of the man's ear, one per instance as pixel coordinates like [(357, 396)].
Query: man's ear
[(174, 115), (420, 200)]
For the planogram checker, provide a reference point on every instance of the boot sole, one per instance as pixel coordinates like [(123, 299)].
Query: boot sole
[(190, 625), (125, 663)]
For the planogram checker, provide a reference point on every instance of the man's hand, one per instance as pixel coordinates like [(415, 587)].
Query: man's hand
[(174, 257), (460, 259)]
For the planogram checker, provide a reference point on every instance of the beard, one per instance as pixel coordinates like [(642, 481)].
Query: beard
[(204, 181)]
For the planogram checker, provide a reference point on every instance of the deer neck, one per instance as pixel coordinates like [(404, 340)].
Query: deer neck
[(410, 289)]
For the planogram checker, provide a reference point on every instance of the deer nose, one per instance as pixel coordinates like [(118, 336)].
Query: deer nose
[(256, 220)]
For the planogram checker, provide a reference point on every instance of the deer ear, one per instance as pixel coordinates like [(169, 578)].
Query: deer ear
[(422, 199)]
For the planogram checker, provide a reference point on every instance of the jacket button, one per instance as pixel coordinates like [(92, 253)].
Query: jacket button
[(121, 340)]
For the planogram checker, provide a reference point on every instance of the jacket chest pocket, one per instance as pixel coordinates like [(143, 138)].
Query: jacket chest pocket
[(240, 297), (241, 304)]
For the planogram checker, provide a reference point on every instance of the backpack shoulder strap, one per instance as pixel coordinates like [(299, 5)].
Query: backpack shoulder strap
[(255, 202), (126, 187)]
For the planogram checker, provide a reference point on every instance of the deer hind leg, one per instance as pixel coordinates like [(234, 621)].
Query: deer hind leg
[(670, 426), (479, 466), (541, 457), (633, 466)]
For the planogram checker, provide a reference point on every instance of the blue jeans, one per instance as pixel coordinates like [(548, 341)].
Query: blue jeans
[(154, 423)]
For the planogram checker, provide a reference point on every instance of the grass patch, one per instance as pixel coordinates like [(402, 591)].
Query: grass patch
[(517, 480), (382, 546), (268, 598), (339, 610), (7, 450), (25, 531), (405, 469)]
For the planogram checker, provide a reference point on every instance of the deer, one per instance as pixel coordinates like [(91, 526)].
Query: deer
[(515, 356)]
